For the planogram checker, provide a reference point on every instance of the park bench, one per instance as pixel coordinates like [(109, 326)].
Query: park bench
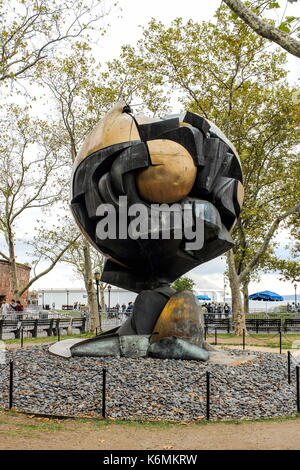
[(79, 323), (28, 326), (265, 325), (9, 326), (33, 326), (45, 324), (217, 323), (292, 324), (61, 323)]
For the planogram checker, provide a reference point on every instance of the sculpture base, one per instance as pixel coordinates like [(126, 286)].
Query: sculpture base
[(139, 346), (176, 333)]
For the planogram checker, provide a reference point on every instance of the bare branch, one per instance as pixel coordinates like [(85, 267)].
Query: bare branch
[(50, 267), (266, 30)]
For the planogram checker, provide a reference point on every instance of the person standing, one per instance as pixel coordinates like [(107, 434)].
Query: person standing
[(129, 308), (5, 307), (13, 304), (19, 307)]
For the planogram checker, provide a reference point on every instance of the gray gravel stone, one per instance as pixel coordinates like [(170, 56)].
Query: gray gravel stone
[(148, 388)]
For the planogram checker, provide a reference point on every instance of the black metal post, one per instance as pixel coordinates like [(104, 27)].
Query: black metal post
[(280, 342), (97, 288), (58, 332), (207, 396), (104, 393), (22, 337), (11, 383), (216, 336), (43, 299), (298, 391), (243, 340), (109, 289), (289, 367)]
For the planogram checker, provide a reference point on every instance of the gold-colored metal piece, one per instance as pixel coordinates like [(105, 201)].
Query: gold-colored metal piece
[(172, 174), (142, 119), (180, 317), (114, 128), (240, 193)]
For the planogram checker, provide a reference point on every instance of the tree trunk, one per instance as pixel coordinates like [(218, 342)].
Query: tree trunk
[(90, 288), (235, 286), (246, 297), (13, 265), (102, 298)]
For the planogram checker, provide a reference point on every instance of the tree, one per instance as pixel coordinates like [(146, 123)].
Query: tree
[(183, 283), (224, 72), (280, 35), (33, 30), (29, 180), (290, 270)]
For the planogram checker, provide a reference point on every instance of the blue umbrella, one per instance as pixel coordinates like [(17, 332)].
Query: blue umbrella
[(266, 295), (203, 297)]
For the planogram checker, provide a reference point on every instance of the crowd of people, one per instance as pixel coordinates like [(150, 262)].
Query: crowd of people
[(293, 307), (217, 308), (8, 308), (120, 310), (211, 307)]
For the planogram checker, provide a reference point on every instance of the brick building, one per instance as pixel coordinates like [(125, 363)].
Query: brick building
[(23, 272)]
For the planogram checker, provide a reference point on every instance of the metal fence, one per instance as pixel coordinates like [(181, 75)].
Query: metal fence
[(13, 387)]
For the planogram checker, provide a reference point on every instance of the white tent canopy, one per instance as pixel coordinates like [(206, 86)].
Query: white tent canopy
[(205, 287)]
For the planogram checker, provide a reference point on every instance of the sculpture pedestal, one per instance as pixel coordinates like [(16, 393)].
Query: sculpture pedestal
[(178, 332)]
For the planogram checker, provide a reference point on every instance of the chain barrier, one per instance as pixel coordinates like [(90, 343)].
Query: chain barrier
[(261, 339), (124, 381), (286, 337), (204, 377)]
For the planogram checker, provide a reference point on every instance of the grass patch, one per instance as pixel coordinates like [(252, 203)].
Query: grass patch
[(261, 339), (40, 425), (44, 426), (156, 425), (271, 340), (47, 339)]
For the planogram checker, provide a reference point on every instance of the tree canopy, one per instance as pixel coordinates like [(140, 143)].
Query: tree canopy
[(224, 71)]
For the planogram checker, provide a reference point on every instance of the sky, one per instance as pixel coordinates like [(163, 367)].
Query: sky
[(125, 27)]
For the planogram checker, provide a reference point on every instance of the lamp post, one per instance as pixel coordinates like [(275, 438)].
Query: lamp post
[(109, 289), (43, 293), (67, 300), (97, 281), (295, 287)]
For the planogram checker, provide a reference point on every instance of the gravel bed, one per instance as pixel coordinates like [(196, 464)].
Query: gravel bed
[(148, 389)]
